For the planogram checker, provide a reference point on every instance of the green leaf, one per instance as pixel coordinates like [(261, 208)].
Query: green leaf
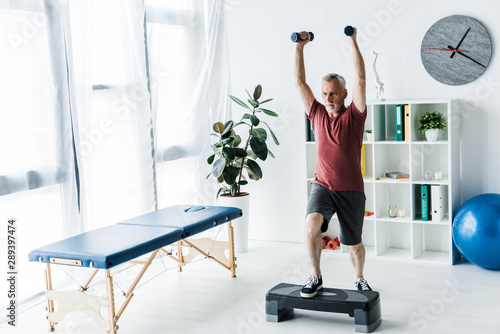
[(253, 103), (259, 147), (254, 167), (227, 141), (271, 153), (229, 152), (255, 120), (243, 182), (260, 133), (272, 134), (238, 101), (236, 142), (265, 101), (227, 127), (251, 154), (269, 112), (251, 174), (250, 96), (218, 193), (230, 174), (218, 127), (240, 153), (211, 158), (257, 92), (218, 168), (234, 189), (246, 116)]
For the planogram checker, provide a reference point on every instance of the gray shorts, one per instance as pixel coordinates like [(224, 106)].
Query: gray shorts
[(349, 206)]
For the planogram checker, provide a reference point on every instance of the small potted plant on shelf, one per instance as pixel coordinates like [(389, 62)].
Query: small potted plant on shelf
[(235, 157), (430, 123), (369, 135)]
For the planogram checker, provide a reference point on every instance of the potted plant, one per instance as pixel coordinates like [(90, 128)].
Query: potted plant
[(235, 157), (430, 124), (369, 135)]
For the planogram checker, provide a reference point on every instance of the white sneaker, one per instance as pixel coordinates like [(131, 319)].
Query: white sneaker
[(362, 285)]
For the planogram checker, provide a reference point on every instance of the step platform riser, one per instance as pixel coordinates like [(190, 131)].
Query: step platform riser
[(364, 306)]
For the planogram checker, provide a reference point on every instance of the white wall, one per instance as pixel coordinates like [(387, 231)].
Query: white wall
[(261, 52)]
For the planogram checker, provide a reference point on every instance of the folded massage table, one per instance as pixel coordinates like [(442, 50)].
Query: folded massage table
[(110, 246)]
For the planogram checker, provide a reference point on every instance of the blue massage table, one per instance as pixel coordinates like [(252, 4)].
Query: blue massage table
[(110, 246)]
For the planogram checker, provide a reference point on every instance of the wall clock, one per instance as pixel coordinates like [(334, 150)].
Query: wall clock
[(456, 50)]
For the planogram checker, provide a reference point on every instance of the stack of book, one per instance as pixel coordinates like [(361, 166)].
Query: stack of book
[(396, 176)]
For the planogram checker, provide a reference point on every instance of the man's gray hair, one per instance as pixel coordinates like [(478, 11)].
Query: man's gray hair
[(331, 76)]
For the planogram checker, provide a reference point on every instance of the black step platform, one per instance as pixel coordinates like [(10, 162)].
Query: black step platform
[(364, 306)]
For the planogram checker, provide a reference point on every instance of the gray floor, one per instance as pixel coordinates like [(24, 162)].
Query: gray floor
[(416, 297)]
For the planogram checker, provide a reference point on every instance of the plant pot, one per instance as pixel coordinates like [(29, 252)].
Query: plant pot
[(432, 135), (240, 225), (369, 137)]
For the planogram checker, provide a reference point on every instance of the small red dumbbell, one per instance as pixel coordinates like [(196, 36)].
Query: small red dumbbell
[(332, 244), (337, 241), (326, 240)]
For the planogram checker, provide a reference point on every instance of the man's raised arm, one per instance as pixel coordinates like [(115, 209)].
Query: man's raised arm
[(359, 88), (299, 73)]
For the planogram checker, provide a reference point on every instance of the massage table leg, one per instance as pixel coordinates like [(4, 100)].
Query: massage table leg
[(180, 261), (50, 303), (232, 258), (111, 303)]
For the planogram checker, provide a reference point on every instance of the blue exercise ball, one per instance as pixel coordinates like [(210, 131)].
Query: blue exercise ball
[(476, 230)]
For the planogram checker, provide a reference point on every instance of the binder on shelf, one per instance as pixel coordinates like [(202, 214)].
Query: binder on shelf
[(363, 160), (438, 202), (309, 130), (406, 122), (425, 201), (399, 123)]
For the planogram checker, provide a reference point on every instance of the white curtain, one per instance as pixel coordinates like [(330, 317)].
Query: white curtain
[(39, 178), (114, 109), (106, 113), (189, 70)]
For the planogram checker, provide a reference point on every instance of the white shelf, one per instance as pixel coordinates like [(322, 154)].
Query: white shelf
[(434, 257), (432, 181), (390, 142), (397, 253), (425, 142), (407, 237), (402, 220), (390, 180), (445, 221)]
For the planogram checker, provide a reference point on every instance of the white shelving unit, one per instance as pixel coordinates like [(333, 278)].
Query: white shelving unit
[(406, 237)]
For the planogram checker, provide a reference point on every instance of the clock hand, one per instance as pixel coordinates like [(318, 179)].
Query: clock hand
[(460, 43), (472, 59), (469, 58), (447, 50)]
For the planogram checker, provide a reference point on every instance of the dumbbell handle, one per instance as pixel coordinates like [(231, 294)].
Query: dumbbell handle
[(349, 31), (296, 37)]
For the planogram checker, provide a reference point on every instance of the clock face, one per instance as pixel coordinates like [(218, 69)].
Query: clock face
[(456, 50)]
